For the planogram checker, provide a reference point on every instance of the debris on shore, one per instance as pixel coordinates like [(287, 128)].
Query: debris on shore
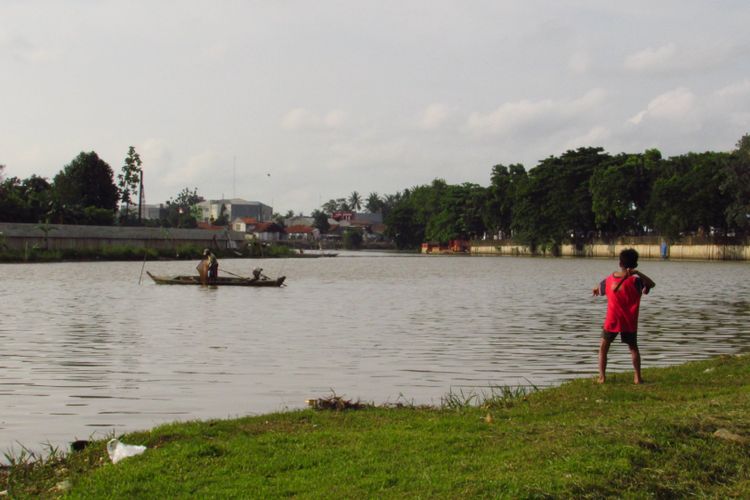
[(336, 403)]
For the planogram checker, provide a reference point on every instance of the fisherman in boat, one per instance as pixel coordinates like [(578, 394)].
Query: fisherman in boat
[(208, 267)]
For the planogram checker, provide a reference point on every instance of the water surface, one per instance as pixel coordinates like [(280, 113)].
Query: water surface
[(87, 351)]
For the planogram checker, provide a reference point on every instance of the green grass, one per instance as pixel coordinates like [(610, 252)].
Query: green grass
[(577, 440)]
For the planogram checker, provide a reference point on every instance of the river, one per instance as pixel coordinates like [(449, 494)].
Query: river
[(87, 351)]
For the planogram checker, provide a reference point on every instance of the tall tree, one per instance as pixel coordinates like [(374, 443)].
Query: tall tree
[(129, 179), (320, 221), (554, 205), (620, 190), (86, 186), (330, 206), (402, 227), (687, 198), (355, 201), (736, 188), (501, 196), (182, 211), (374, 203)]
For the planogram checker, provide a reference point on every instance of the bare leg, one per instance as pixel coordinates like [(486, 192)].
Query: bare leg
[(603, 350), (635, 355)]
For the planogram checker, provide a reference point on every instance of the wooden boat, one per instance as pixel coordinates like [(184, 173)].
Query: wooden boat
[(220, 281)]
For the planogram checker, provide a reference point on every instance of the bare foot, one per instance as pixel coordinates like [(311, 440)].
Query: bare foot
[(601, 379), (637, 381)]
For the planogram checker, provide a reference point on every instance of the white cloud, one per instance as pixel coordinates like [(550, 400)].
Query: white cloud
[(198, 167), (512, 116), (651, 59), (739, 89), (434, 116), (673, 105), (303, 119), (22, 50), (596, 136), (334, 119), (579, 63), (214, 52)]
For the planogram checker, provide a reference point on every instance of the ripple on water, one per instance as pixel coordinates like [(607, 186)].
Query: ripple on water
[(87, 350)]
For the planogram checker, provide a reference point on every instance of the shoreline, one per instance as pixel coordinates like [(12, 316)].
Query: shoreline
[(684, 432)]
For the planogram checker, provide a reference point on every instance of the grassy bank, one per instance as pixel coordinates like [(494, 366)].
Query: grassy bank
[(578, 440)]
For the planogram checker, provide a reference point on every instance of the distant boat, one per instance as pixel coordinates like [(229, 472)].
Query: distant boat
[(219, 281)]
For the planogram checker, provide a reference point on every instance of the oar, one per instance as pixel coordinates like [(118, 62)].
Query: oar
[(237, 275), (140, 279)]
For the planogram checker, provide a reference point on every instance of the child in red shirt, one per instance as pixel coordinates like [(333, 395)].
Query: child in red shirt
[(623, 290)]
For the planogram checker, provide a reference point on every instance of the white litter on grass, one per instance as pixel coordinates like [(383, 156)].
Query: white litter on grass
[(117, 450)]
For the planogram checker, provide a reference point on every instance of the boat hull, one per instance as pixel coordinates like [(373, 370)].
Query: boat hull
[(219, 281)]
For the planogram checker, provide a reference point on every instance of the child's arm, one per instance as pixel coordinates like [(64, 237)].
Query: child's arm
[(598, 289), (648, 283)]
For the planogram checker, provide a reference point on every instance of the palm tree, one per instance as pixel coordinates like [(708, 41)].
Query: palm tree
[(355, 201), (374, 203), (330, 206)]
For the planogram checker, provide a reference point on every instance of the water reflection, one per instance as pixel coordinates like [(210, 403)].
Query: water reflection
[(86, 350)]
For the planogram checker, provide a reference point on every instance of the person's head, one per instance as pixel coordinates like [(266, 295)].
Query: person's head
[(206, 251), (629, 258)]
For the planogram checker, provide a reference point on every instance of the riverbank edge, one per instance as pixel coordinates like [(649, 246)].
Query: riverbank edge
[(677, 251), (685, 432)]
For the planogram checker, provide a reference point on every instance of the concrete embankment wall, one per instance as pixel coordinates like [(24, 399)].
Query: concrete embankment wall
[(59, 236), (686, 251)]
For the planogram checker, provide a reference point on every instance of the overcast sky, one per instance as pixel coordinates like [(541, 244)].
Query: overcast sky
[(295, 102)]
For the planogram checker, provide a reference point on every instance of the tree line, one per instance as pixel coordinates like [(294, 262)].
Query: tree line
[(579, 196), (86, 191), (576, 197)]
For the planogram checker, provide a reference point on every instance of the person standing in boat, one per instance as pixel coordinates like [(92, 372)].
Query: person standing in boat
[(208, 267)]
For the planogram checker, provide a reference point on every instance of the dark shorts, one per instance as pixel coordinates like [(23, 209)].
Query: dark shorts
[(625, 337)]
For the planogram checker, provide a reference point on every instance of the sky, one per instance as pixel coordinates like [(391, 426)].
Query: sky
[(293, 103)]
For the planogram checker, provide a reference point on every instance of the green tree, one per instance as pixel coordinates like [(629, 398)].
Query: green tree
[(620, 190), (182, 211), (37, 193), (374, 203), (459, 213), (129, 179), (320, 221), (686, 197), (223, 218), (330, 206), (352, 239), (402, 227), (554, 204), (736, 188), (342, 205), (355, 201), (12, 203), (501, 196), (87, 181)]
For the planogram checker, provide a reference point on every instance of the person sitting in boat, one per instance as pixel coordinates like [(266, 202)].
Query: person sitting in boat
[(258, 274)]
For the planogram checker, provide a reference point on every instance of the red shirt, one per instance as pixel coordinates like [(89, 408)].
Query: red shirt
[(623, 304)]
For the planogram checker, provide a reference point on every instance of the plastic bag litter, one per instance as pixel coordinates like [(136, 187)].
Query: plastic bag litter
[(117, 450)]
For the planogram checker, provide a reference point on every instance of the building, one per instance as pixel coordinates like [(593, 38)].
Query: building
[(240, 224), (264, 231), (299, 232), (234, 208)]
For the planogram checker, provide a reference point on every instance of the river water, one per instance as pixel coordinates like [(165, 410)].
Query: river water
[(86, 351)]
